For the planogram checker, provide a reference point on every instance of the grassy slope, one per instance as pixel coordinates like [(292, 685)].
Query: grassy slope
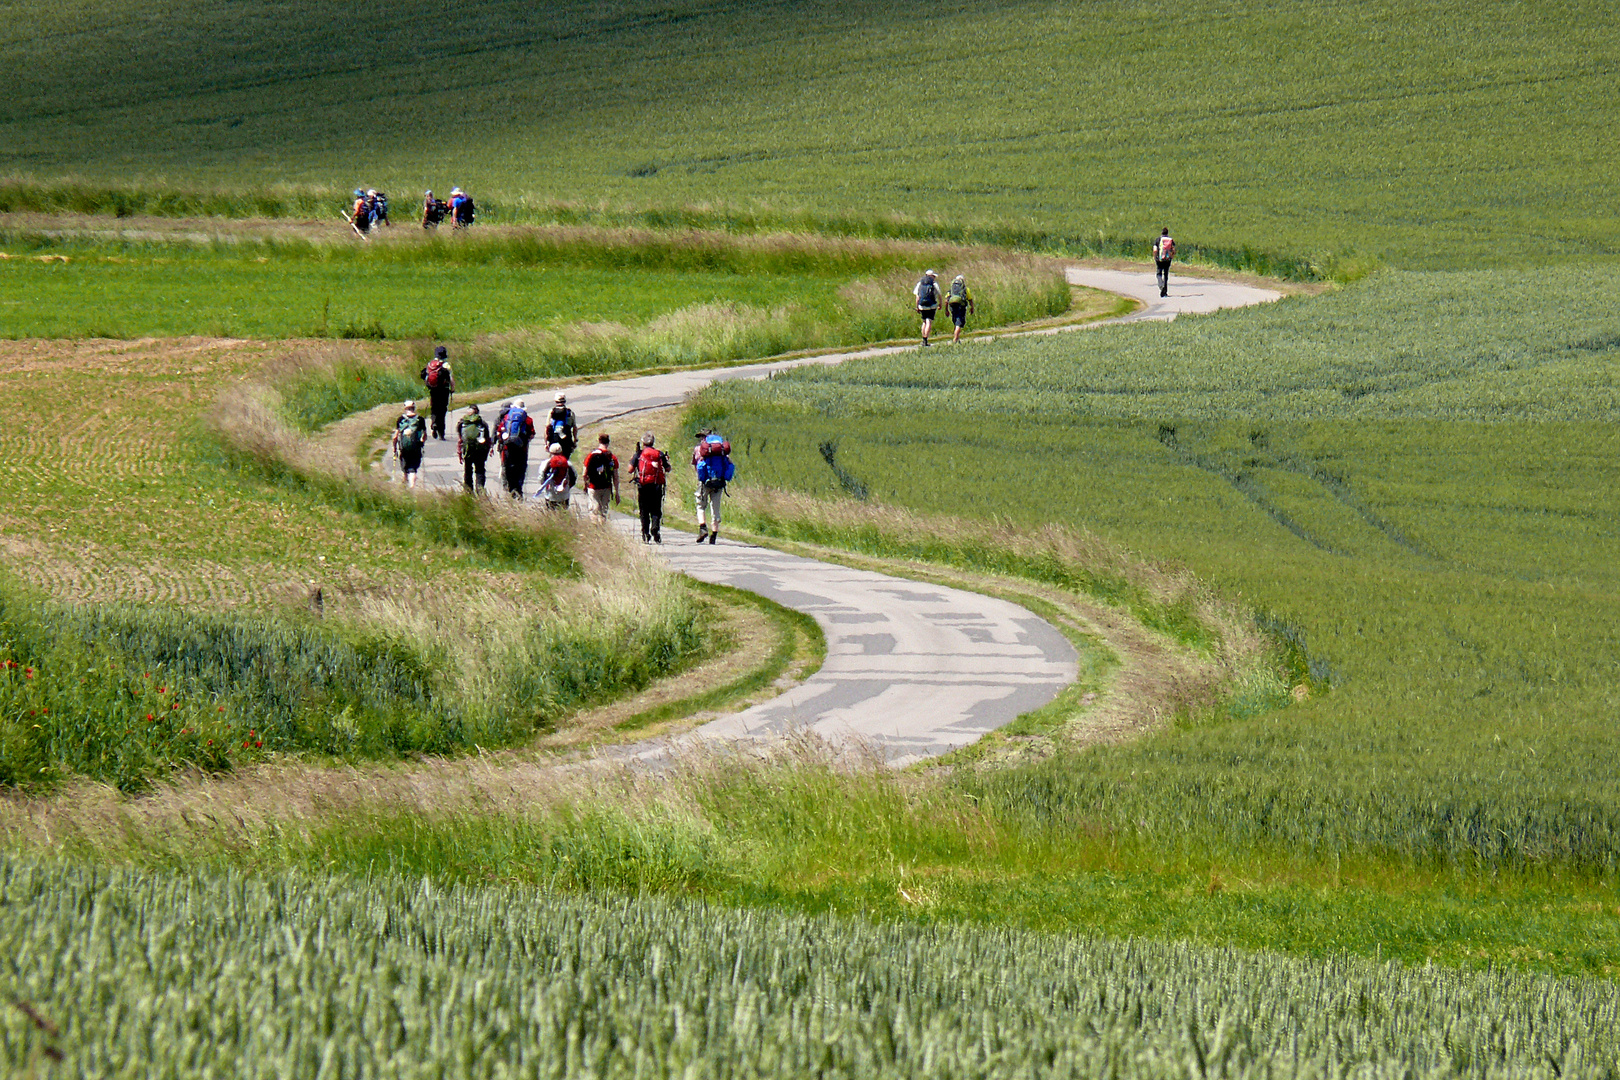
[(1326, 459), (175, 290), (1430, 131)]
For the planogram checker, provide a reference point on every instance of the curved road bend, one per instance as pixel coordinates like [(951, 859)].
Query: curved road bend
[(913, 669)]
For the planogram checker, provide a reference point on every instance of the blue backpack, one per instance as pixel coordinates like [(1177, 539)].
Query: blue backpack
[(715, 466), (514, 426)]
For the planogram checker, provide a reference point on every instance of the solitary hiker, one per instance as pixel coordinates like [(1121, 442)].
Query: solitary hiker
[(441, 383), (927, 293), (601, 478), (557, 481), (561, 426), (410, 436), (515, 430), (650, 471), (711, 458), (472, 448), (959, 302), (1164, 249)]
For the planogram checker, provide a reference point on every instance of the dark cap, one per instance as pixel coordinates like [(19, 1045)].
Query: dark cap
[(440, 352)]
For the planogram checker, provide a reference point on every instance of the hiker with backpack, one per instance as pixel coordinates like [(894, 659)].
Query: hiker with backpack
[(462, 210), (561, 427), (433, 210), (1164, 249), (441, 383), (927, 294), (378, 204), (601, 478), (515, 430), (557, 479), (359, 218), (959, 302), (410, 438), (711, 458), (472, 448), (650, 471)]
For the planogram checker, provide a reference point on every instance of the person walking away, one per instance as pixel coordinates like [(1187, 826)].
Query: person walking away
[(462, 210), (650, 471), (711, 458), (433, 210), (516, 432), (557, 481), (561, 426), (359, 216), (927, 293), (410, 437), (472, 448), (1164, 249), (959, 303), (499, 431), (441, 383), (379, 207), (601, 478)]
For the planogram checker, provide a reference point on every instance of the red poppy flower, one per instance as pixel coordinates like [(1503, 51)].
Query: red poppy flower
[(149, 716), (257, 745), (160, 689)]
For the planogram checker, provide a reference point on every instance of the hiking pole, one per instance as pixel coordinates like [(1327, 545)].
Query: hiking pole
[(355, 227)]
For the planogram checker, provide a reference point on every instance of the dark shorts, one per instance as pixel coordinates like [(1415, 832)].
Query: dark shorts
[(928, 312), (959, 314), (410, 461)]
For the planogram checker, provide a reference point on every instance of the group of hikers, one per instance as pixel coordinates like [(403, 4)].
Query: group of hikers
[(513, 431), (370, 210), (958, 301), (958, 298)]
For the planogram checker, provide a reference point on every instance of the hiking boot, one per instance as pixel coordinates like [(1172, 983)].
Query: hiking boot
[(657, 539), (714, 536), (703, 531)]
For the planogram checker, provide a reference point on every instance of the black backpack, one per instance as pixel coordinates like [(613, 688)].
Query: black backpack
[(927, 294), (599, 469)]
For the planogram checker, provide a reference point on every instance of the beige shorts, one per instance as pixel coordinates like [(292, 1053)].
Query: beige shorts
[(600, 497)]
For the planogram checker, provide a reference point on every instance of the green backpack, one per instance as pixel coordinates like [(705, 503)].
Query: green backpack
[(412, 434)]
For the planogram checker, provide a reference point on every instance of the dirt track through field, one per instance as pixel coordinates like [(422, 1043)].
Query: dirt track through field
[(913, 669)]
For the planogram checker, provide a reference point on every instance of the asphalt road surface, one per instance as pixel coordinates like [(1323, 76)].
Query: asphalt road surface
[(913, 670)]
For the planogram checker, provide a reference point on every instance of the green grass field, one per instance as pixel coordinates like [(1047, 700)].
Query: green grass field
[(248, 976), (1409, 482), (1428, 132), (1328, 460), (267, 291)]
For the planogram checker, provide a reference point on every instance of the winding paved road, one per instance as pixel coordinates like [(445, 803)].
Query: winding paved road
[(913, 669)]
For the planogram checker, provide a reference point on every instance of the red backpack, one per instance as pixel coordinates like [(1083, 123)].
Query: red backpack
[(435, 375), (650, 466)]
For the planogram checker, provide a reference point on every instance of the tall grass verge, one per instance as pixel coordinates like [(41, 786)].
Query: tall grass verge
[(318, 388)]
